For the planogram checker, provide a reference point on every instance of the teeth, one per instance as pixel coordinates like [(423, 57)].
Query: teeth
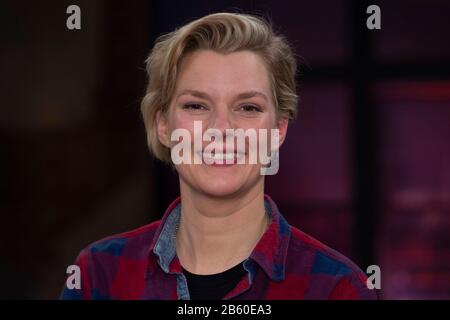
[(240, 155), (229, 156), (223, 156)]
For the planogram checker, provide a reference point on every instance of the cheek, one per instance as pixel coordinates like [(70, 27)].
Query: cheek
[(268, 124), (177, 121), (181, 124)]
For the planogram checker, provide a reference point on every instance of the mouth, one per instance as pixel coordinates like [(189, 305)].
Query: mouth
[(222, 159)]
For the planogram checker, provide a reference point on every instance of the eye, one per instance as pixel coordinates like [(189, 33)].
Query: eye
[(194, 107), (250, 108)]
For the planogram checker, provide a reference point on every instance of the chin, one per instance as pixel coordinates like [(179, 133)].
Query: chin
[(225, 182), (221, 185), (221, 190)]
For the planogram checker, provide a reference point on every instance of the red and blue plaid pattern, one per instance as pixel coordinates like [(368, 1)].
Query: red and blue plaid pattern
[(285, 264)]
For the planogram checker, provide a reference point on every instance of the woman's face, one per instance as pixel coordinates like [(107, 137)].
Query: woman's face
[(223, 91)]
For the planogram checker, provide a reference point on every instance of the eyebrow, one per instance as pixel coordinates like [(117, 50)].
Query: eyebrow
[(204, 95)]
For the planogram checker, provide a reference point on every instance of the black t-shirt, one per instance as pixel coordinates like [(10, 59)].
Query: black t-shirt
[(213, 286)]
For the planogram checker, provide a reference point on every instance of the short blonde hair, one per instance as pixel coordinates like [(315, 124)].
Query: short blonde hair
[(223, 33)]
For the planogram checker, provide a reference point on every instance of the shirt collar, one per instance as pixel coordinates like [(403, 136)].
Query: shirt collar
[(269, 253)]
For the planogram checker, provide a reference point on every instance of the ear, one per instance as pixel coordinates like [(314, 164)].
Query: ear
[(282, 126), (162, 128)]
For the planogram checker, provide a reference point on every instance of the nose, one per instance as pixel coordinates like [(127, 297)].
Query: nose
[(220, 119)]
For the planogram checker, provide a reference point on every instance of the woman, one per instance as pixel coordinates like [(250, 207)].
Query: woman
[(223, 238)]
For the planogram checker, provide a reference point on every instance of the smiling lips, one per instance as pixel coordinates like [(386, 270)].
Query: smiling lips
[(222, 158)]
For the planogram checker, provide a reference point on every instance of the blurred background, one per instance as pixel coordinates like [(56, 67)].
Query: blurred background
[(365, 168)]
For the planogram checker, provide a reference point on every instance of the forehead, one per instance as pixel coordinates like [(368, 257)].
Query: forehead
[(223, 73)]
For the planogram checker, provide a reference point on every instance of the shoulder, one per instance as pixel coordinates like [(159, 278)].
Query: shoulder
[(330, 273), (133, 243), (318, 257), (103, 263)]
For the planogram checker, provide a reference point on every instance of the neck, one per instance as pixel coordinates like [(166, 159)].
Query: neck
[(216, 233)]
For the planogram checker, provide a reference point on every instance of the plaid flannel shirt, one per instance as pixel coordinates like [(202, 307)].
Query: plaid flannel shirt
[(285, 264)]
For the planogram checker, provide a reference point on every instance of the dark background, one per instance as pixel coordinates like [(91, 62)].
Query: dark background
[(365, 168)]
